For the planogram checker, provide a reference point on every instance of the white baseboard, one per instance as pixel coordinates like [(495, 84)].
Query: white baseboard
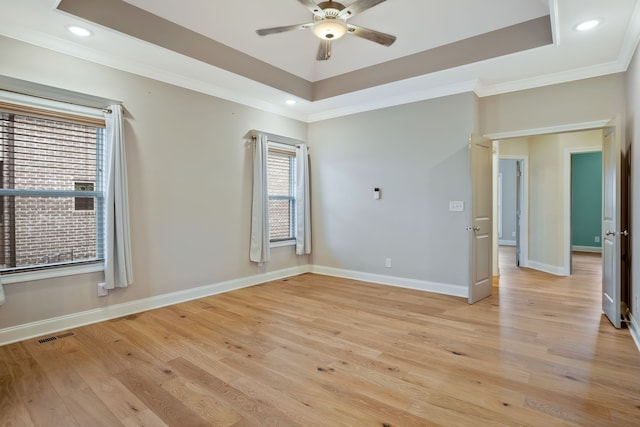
[(634, 328), (551, 269), (57, 324), (593, 249), (507, 242), (421, 285)]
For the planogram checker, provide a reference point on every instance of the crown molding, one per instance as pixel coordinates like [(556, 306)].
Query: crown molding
[(378, 98), (229, 86), (614, 67), (375, 98), (631, 38)]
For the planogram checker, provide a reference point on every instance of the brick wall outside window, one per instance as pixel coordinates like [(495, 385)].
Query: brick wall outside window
[(48, 229)]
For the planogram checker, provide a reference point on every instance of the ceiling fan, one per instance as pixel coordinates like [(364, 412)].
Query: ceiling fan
[(330, 23)]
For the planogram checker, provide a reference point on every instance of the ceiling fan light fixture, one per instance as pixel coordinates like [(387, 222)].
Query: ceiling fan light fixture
[(330, 29), (330, 23)]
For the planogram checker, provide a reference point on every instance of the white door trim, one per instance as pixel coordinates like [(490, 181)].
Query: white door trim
[(570, 127), (567, 201)]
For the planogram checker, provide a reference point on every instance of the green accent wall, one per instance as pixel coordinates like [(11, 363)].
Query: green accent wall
[(586, 199)]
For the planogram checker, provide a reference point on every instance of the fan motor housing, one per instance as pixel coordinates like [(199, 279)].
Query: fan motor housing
[(331, 5)]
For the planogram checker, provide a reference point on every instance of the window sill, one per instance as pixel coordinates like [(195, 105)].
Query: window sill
[(73, 270), (280, 243)]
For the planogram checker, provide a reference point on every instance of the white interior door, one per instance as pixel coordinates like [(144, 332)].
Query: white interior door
[(480, 276), (611, 256)]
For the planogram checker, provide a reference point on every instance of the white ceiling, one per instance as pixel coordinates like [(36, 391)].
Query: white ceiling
[(419, 25)]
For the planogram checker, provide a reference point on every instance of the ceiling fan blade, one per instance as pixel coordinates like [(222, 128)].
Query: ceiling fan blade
[(373, 35), (314, 8), (274, 30), (357, 7), (324, 50)]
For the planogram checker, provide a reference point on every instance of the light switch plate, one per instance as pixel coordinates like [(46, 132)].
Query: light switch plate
[(456, 206)]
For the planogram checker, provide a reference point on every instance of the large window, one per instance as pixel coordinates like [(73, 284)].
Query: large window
[(281, 175), (50, 193)]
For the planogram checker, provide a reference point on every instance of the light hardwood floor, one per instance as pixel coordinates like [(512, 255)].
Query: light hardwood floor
[(321, 351)]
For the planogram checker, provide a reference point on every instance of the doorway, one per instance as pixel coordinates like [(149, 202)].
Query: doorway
[(544, 232), (513, 208), (585, 202)]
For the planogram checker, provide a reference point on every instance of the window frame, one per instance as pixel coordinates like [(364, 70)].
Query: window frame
[(26, 105), (290, 150)]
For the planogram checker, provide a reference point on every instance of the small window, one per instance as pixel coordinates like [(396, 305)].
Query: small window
[(281, 177), (84, 203)]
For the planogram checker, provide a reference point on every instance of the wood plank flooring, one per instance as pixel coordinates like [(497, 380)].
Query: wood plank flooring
[(320, 351)]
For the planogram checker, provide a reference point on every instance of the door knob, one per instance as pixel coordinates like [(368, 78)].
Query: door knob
[(476, 228), (610, 233), (623, 233)]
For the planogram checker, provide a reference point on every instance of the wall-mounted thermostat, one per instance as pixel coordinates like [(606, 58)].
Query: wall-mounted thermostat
[(376, 193)]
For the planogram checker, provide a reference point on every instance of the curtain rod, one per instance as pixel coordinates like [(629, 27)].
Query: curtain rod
[(104, 109), (275, 138)]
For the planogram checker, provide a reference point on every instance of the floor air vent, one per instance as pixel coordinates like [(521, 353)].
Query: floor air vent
[(55, 337)]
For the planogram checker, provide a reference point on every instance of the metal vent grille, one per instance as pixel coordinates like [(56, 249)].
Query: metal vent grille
[(55, 337)]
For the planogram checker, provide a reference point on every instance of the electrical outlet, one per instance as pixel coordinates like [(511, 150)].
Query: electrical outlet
[(387, 262), (597, 239), (102, 291)]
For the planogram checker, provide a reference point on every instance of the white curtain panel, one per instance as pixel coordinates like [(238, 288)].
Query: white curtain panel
[(118, 271), (303, 203), (260, 251)]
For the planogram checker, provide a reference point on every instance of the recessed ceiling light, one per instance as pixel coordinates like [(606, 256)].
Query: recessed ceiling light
[(588, 25), (291, 102), (78, 31)]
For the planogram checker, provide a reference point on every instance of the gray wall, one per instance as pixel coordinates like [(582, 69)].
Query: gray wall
[(546, 204), (417, 154), (507, 167), (189, 186)]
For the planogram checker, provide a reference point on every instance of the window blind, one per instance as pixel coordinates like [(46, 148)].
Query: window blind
[(42, 161), (281, 189)]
